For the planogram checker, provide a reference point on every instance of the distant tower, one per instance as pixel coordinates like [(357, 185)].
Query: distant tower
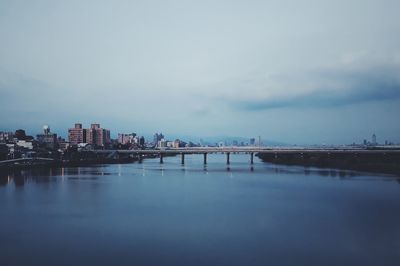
[(259, 141), (374, 139), (46, 129), (252, 141)]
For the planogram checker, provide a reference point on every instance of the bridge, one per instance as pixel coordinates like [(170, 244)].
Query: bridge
[(275, 152), (183, 151)]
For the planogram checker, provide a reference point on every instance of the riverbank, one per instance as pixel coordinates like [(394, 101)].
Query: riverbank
[(373, 161), (32, 163)]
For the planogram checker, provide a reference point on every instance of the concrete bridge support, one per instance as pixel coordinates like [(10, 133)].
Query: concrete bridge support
[(227, 158), (205, 158), (182, 158), (252, 158), (161, 158)]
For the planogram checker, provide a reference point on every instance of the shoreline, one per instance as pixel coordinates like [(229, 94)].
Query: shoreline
[(377, 163), (74, 163)]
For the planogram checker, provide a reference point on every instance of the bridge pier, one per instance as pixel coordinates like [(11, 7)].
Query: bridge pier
[(205, 158), (182, 158), (227, 158), (161, 158), (251, 157)]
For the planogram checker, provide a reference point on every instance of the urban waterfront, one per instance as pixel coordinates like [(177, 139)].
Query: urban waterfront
[(193, 214)]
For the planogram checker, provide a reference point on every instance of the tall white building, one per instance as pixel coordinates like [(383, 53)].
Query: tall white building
[(374, 142)]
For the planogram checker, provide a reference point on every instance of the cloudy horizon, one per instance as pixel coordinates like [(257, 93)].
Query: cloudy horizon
[(307, 72)]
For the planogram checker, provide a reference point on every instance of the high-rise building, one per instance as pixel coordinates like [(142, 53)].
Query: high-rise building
[(94, 135), (157, 137), (76, 135), (252, 141), (98, 136), (141, 141), (374, 142)]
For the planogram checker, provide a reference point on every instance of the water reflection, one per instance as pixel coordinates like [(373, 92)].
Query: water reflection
[(42, 175), (4, 179), (152, 214), (20, 177)]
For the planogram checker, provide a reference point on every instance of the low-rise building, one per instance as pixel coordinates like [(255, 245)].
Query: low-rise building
[(85, 147), (47, 139), (3, 151), (127, 138), (162, 143), (25, 144), (6, 136)]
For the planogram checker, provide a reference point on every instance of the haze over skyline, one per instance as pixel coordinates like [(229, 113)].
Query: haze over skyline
[(292, 71)]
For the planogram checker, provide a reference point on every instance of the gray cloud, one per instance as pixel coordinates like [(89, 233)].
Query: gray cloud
[(191, 67), (333, 88)]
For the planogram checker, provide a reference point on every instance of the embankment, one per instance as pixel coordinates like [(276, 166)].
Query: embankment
[(376, 161)]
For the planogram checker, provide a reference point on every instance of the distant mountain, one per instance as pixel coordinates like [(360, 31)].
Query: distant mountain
[(228, 140)]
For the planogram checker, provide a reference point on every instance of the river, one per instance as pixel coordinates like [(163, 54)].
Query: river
[(171, 214)]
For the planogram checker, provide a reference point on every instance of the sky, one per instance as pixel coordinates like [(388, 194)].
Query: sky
[(305, 72)]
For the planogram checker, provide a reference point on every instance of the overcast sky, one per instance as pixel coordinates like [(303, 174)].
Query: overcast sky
[(290, 71)]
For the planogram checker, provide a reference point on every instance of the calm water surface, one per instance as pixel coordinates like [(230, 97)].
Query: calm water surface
[(152, 214)]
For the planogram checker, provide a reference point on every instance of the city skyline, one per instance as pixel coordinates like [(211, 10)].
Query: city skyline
[(293, 74), (100, 136)]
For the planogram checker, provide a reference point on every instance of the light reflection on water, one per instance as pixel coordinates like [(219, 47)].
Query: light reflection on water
[(20, 177), (194, 214)]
